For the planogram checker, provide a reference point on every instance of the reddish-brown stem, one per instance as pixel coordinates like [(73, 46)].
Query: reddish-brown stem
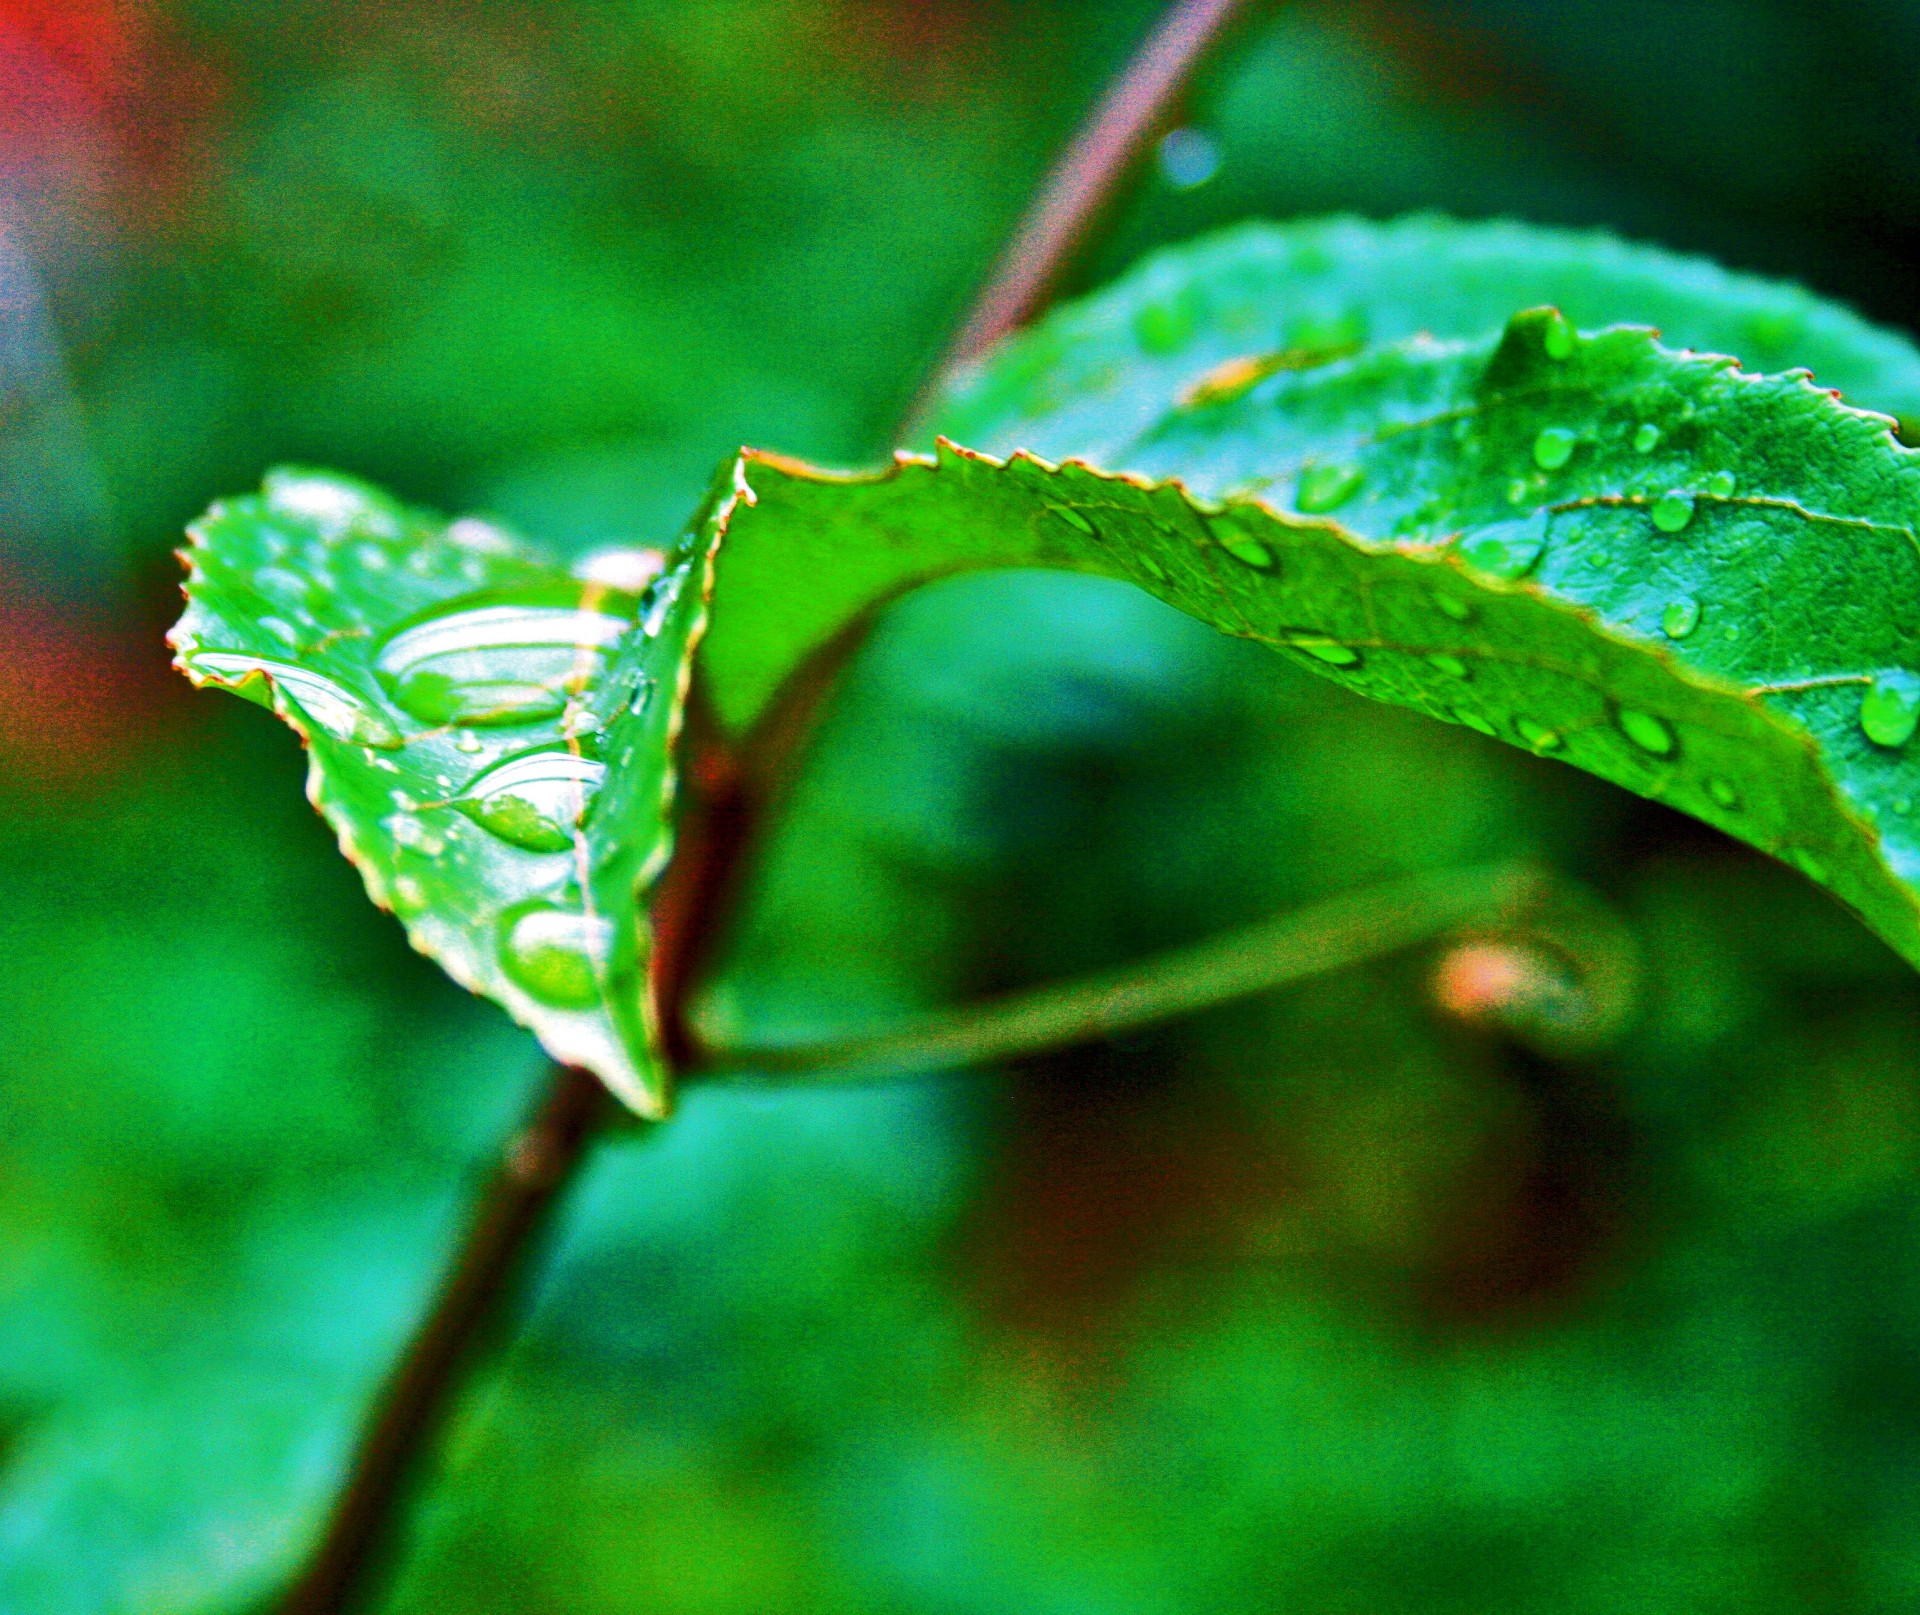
[(533, 1170), (1088, 174), (729, 789)]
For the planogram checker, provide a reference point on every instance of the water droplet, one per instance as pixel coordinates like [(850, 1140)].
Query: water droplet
[(372, 557), (1538, 735), (1323, 649), (503, 658), (408, 831), (556, 954), (630, 570), (1150, 566), (1721, 484), (1646, 731), (281, 629), (1808, 863), (1327, 487), (1074, 519), (479, 537), (1672, 510), (1452, 666), (1517, 491), (1890, 710), (409, 896), (1454, 607), (1722, 791), (534, 800), (329, 503), (1681, 617), (1241, 544), (1506, 549), (334, 708), (1473, 720), (1554, 447), (468, 741), (1557, 337), (1188, 158), (1646, 439)]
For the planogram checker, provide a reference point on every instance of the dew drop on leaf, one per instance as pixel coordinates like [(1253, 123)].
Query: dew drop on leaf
[(503, 657), (468, 741), (554, 953), (1475, 721), (1508, 549), (1538, 735), (1323, 649), (1327, 487), (1808, 863), (1646, 439), (630, 570), (1554, 447), (1890, 710), (1452, 666), (534, 800), (1672, 511), (1681, 617), (409, 832), (1557, 337), (1722, 791), (1454, 607), (1646, 731), (1242, 545), (1074, 519), (334, 708), (1721, 484)]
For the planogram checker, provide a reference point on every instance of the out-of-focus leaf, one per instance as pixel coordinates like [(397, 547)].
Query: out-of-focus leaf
[(1087, 378), (1675, 575), (489, 734)]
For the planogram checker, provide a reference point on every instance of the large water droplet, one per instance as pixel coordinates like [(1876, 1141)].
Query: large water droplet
[(1673, 510), (1680, 617), (1323, 649), (1554, 447), (1506, 549), (1327, 487), (336, 709), (1188, 158), (504, 658), (630, 570), (1241, 544), (534, 800), (1721, 484), (555, 954), (1890, 710), (1646, 439), (1647, 732)]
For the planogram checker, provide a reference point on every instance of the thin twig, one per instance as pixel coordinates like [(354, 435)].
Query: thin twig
[(1085, 179), (532, 1172), (1323, 937), (541, 1159)]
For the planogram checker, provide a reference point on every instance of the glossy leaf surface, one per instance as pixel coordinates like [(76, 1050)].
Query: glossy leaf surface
[(1678, 576), (1085, 380), (488, 734)]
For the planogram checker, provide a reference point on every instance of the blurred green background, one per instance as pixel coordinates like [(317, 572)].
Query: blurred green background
[(1319, 1304)]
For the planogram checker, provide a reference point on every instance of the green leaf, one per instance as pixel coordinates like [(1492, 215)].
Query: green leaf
[(489, 734), (1078, 383), (1678, 576)]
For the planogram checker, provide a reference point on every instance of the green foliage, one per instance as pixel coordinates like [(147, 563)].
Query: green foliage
[(489, 735)]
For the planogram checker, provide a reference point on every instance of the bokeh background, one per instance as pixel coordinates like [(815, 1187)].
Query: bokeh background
[(1323, 1303)]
